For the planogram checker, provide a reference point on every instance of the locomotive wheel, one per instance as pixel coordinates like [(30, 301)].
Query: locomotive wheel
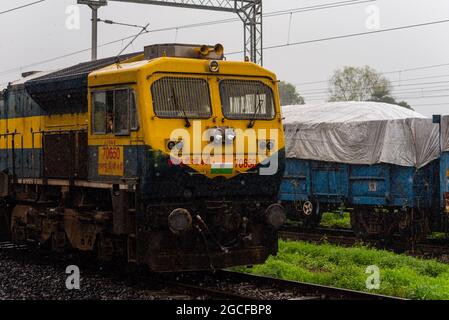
[(58, 241), (4, 224)]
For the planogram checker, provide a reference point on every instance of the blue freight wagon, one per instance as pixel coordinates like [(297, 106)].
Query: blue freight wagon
[(385, 198), (443, 187), (379, 160)]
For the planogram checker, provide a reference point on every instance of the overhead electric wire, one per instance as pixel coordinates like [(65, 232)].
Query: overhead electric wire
[(432, 104), (394, 93), (201, 24), (423, 97), (266, 48), (21, 7), (420, 90), (389, 72), (122, 24), (396, 97), (351, 35), (429, 85), (317, 7)]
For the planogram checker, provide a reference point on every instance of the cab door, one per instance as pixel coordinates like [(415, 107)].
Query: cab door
[(113, 139)]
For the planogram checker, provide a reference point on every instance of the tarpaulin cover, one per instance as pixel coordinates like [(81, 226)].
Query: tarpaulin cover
[(360, 133)]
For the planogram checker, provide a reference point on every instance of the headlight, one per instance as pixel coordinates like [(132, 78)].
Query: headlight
[(179, 221), (266, 145), (171, 145), (230, 135), (217, 136), (214, 66), (179, 145)]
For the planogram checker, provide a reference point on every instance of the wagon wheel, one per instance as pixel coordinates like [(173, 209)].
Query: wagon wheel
[(307, 208), (311, 215)]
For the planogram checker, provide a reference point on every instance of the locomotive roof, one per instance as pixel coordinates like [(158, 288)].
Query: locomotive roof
[(84, 68), (65, 90), (33, 76)]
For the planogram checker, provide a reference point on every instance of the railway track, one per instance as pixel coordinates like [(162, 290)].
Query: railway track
[(228, 285), (428, 248), (320, 235), (7, 245), (221, 285)]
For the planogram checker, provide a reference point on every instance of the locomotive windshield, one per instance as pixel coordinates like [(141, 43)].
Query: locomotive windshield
[(246, 100), (176, 97)]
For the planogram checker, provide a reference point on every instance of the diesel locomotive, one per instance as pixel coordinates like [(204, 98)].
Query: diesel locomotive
[(171, 158)]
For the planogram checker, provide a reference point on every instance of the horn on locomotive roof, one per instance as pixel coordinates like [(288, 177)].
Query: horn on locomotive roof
[(185, 51), (206, 50)]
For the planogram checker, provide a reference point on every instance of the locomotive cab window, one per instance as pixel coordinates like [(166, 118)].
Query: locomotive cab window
[(175, 97), (245, 99), (114, 112)]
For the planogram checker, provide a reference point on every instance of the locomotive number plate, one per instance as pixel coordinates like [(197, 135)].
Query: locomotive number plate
[(110, 160)]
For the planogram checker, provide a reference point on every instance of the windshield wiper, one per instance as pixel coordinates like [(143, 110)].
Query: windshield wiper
[(257, 108), (186, 119)]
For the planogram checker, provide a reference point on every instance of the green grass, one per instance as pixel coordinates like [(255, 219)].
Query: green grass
[(400, 275), (335, 220), (438, 236)]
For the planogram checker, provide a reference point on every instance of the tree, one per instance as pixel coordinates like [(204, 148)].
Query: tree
[(289, 95), (385, 97), (405, 105), (357, 84), (361, 84)]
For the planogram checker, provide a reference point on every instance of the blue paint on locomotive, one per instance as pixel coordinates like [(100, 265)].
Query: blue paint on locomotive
[(26, 163), (359, 185), (134, 163)]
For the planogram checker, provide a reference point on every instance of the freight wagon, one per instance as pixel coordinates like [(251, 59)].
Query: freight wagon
[(376, 159), (385, 198)]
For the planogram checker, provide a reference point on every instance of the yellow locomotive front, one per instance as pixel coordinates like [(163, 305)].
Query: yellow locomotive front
[(201, 141)]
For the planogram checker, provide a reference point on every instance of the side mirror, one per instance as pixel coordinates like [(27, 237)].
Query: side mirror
[(436, 118)]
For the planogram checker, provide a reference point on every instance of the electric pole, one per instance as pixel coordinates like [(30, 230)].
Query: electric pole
[(94, 6), (249, 11)]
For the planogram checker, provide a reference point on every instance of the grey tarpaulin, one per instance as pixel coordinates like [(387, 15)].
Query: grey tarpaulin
[(360, 133)]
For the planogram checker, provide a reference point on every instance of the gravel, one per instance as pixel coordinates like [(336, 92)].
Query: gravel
[(36, 276)]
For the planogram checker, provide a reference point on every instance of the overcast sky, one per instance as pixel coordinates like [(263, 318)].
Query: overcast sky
[(38, 33)]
